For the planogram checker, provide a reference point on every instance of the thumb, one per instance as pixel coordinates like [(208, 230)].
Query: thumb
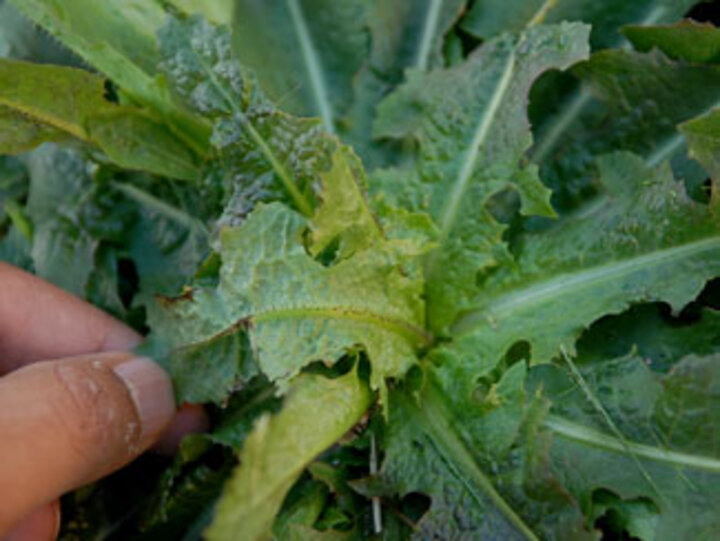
[(68, 422)]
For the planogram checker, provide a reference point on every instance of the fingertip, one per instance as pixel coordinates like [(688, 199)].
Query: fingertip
[(75, 420), (40, 321), (151, 391), (120, 338), (43, 524)]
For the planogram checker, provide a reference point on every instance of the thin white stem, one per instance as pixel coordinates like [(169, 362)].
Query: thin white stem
[(595, 401), (376, 509)]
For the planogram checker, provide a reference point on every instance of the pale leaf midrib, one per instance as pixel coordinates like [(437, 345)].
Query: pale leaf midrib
[(312, 65), (389, 323), (591, 437), (432, 18), (298, 198), (437, 424), (568, 283), (481, 133), (46, 118)]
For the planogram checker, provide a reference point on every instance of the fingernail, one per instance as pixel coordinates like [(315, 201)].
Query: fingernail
[(151, 391)]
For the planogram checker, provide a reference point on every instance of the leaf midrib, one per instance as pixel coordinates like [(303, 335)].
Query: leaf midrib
[(45, 117), (479, 138), (591, 437), (432, 18), (437, 424), (568, 283), (296, 195), (393, 324), (313, 65)]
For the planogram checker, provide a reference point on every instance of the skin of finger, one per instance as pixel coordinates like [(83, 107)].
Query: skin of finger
[(70, 422), (40, 321), (43, 524)]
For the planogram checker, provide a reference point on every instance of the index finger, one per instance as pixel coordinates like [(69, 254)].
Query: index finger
[(40, 321)]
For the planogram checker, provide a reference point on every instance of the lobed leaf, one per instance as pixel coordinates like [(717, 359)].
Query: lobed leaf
[(488, 18), (472, 132), (666, 453), (641, 234), (305, 53)]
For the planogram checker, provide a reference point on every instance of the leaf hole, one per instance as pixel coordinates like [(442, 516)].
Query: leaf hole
[(504, 205), (333, 370), (110, 92), (328, 256), (414, 505), (482, 276), (706, 12), (710, 295), (128, 281), (623, 520), (483, 393), (519, 351)]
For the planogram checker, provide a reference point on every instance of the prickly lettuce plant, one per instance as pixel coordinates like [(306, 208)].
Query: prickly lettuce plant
[(440, 269)]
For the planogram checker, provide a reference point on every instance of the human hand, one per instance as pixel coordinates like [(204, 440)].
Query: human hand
[(70, 421)]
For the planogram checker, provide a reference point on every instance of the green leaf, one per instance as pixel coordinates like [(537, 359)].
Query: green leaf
[(304, 52), (569, 105), (488, 18), (621, 79), (316, 412), (118, 38), (252, 139), (215, 11), (366, 299), (13, 185), (182, 506), (367, 295), (15, 228), (40, 103), (402, 35), (640, 235), (21, 39), (703, 136), (668, 454), (686, 40), (471, 131), (410, 35), (167, 242), (235, 424), (18, 133), (15, 249), (428, 450), (302, 510), (658, 339), (628, 100), (61, 204)]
